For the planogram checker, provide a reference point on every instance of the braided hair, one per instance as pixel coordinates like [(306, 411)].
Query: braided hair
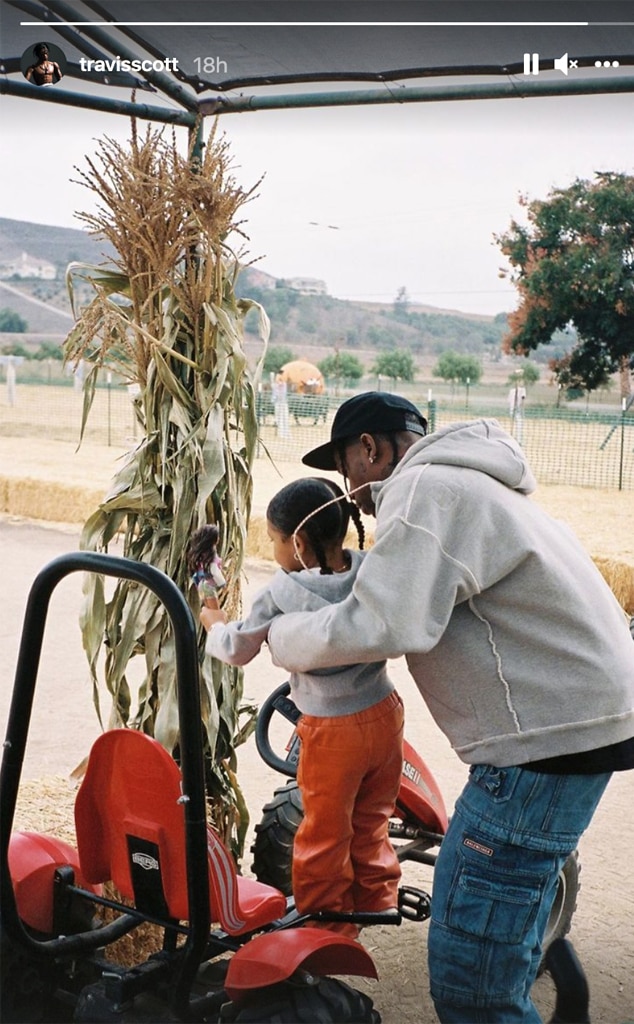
[(320, 509)]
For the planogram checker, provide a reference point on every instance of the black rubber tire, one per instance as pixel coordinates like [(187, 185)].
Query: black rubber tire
[(573, 996), (326, 1002), (272, 848), (564, 905)]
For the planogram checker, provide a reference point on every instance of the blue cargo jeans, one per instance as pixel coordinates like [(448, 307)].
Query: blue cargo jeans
[(494, 884)]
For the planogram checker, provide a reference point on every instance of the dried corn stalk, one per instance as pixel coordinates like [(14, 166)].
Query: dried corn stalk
[(167, 320)]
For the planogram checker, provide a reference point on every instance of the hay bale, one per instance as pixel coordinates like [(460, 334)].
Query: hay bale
[(48, 500), (259, 545), (620, 578), (4, 494)]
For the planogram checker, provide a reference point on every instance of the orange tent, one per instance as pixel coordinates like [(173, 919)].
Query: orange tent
[(302, 377)]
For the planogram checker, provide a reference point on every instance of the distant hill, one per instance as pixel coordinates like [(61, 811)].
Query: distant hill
[(60, 246), (312, 324)]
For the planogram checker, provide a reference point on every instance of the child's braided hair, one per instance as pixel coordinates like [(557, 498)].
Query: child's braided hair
[(321, 509)]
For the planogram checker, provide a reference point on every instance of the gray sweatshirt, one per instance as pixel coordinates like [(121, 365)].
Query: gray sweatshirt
[(514, 639), (343, 690)]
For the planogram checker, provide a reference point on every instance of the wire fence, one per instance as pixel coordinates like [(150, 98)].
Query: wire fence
[(590, 447)]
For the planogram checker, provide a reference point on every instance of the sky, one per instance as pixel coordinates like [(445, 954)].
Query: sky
[(368, 199)]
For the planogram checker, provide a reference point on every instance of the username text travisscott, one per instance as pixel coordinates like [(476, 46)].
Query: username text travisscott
[(121, 64)]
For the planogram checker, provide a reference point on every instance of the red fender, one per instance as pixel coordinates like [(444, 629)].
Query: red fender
[(270, 958), (419, 793), (33, 860)]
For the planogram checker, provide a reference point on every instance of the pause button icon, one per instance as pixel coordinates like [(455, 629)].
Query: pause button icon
[(531, 63)]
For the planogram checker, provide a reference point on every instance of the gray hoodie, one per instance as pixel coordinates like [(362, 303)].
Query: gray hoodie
[(514, 639), (332, 692)]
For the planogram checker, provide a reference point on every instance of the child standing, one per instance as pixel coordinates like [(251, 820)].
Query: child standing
[(351, 728)]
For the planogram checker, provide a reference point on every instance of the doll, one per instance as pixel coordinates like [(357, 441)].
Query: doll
[(203, 564)]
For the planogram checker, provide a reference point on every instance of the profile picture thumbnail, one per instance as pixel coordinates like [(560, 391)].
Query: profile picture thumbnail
[(43, 64)]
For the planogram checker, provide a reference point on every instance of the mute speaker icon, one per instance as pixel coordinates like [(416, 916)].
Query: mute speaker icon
[(561, 64)]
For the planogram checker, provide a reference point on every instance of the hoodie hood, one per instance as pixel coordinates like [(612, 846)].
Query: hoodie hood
[(477, 444), (309, 590)]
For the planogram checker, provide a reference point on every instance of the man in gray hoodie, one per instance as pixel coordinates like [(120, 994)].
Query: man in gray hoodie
[(522, 654)]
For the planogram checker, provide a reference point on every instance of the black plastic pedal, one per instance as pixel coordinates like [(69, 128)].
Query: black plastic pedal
[(413, 904)]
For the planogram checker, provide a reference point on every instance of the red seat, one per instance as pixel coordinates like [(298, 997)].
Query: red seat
[(130, 827)]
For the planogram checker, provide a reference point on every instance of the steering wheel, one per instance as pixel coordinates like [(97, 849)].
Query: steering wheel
[(278, 701)]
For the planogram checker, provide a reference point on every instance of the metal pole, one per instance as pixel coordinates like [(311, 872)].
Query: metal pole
[(109, 405), (362, 97), (423, 94), (622, 452), (106, 104), (162, 80)]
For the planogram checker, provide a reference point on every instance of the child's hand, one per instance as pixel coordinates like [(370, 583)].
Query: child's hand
[(210, 616)]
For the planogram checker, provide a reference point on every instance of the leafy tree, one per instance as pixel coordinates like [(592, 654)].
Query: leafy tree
[(381, 335), (306, 320), (277, 357), (401, 304), (277, 301), (574, 263), (49, 350), (11, 322), (342, 366), (15, 349), (527, 373), (397, 364), (569, 381), (457, 368)]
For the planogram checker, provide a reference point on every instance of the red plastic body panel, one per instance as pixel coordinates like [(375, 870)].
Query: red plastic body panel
[(419, 796), (33, 861), (271, 958), (132, 787)]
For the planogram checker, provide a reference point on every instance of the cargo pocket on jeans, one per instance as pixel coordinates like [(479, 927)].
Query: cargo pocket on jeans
[(493, 905)]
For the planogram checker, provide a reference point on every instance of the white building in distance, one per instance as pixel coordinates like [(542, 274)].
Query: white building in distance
[(306, 285), (27, 266)]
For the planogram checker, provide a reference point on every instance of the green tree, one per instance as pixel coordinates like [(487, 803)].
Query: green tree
[(11, 322), (527, 374), (276, 357), (307, 321), (341, 366), (573, 263), (49, 350), (457, 368), (570, 383), (385, 336), (16, 349), (400, 306), (397, 364)]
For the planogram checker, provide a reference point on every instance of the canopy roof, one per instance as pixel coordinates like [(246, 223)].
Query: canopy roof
[(218, 57)]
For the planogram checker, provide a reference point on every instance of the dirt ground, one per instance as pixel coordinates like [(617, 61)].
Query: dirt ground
[(64, 724)]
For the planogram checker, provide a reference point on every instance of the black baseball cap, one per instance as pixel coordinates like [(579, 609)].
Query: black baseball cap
[(373, 412)]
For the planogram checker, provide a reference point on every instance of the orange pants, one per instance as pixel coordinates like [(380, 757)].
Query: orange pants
[(349, 775)]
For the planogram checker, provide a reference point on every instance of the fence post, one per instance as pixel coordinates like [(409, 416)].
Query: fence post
[(431, 415), (109, 385), (625, 404)]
